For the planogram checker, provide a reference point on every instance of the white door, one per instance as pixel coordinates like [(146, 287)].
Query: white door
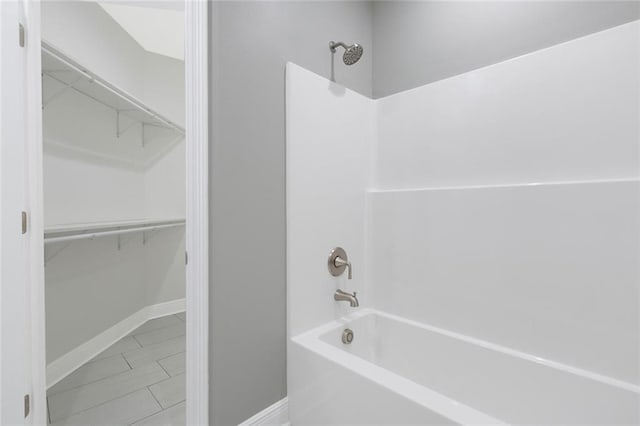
[(15, 380)]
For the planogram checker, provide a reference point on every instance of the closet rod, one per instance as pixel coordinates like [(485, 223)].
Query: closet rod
[(96, 79), (107, 233)]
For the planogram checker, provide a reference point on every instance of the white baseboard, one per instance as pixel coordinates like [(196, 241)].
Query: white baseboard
[(167, 308), (275, 414), (72, 360)]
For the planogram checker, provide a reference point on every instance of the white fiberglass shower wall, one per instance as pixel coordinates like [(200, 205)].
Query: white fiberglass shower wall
[(493, 219)]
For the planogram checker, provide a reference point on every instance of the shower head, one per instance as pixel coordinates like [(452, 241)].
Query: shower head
[(352, 53)]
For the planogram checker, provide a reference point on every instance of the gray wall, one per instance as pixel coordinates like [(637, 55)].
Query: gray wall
[(416, 43), (251, 43)]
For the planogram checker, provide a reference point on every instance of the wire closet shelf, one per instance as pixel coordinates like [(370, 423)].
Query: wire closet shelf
[(73, 232), (73, 76)]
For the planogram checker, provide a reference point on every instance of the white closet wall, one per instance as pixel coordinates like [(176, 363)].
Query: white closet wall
[(164, 189), (165, 182), (93, 38), (84, 159), (92, 175)]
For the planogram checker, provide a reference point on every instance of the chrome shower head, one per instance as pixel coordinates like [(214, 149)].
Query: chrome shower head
[(352, 53)]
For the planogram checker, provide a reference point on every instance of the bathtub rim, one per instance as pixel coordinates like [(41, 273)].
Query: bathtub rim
[(341, 322), (445, 406)]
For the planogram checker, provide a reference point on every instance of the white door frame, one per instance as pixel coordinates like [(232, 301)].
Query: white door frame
[(19, 347), (197, 225), (36, 218), (197, 213)]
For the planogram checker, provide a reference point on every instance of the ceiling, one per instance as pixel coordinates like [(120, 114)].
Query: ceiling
[(158, 26)]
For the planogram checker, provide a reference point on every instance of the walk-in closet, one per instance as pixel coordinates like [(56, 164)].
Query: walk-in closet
[(114, 211)]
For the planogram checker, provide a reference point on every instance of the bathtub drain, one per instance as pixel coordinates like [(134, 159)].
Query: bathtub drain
[(347, 336)]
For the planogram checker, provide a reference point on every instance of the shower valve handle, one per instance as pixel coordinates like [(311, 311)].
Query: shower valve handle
[(338, 261), (342, 262)]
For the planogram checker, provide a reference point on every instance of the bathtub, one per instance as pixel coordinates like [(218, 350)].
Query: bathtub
[(398, 371)]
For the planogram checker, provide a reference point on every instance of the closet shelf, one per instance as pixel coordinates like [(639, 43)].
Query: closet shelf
[(73, 76), (80, 231)]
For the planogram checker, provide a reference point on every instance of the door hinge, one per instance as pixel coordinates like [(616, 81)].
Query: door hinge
[(186, 258), (24, 222), (21, 35), (27, 405)]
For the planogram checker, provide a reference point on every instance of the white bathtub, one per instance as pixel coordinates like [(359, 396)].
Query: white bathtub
[(398, 371)]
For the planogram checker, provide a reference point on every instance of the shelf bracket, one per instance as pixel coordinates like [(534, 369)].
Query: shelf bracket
[(47, 259), (160, 126), (119, 130), (146, 238), (122, 240), (59, 92)]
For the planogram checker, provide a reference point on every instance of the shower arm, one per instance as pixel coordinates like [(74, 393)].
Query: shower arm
[(334, 44)]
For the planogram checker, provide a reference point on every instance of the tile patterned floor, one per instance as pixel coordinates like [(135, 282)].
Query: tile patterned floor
[(139, 380)]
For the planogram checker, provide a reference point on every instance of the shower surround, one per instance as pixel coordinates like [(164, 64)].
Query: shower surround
[(493, 222)]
